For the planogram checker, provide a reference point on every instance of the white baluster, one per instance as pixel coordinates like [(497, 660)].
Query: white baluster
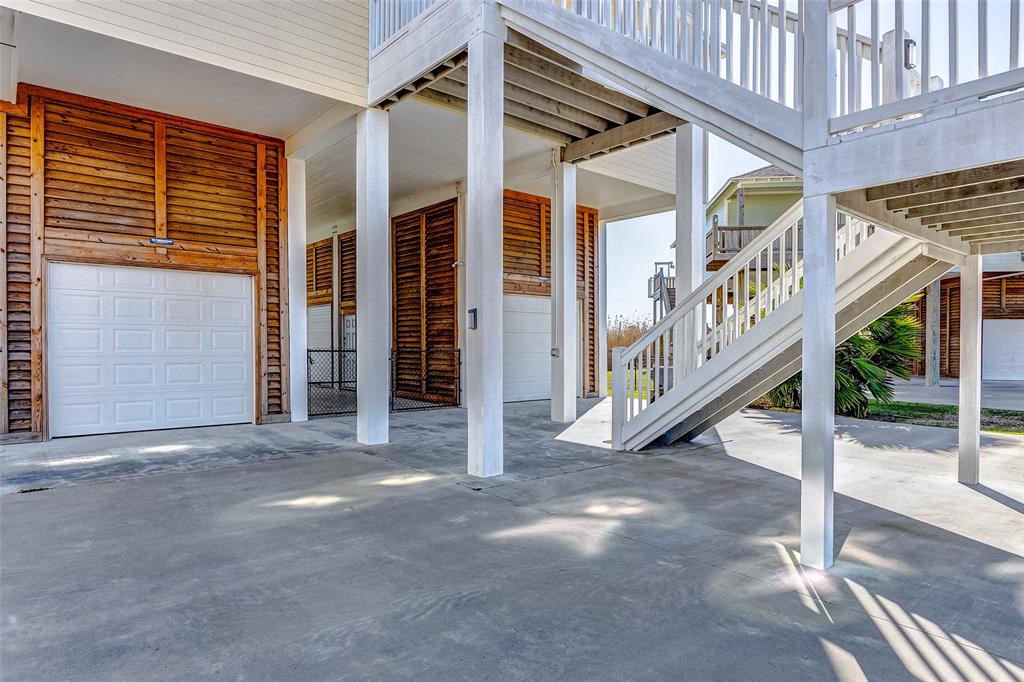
[(745, 44), (954, 70), (782, 51), (876, 75)]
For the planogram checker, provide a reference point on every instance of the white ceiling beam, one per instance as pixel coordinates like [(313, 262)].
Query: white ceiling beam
[(520, 124), (622, 136), (569, 105), (334, 125), (962, 216), (570, 79), (1008, 246), (931, 183), (448, 86), (959, 206)]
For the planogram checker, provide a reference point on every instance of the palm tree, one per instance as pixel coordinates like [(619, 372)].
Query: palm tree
[(865, 364)]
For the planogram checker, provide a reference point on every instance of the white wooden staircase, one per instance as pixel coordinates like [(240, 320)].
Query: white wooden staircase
[(740, 332)]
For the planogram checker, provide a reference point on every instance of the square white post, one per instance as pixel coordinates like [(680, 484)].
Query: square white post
[(602, 308), (932, 318), (819, 362), (564, 326), (970, 370), (690, 240), (298, 396), (373, 278), (484, 263), (8, 55)]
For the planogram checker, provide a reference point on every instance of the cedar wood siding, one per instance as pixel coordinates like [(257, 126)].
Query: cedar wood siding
[(1002, 299), (90, 181)]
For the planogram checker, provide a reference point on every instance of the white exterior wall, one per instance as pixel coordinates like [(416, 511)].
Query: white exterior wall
[(319, 48)]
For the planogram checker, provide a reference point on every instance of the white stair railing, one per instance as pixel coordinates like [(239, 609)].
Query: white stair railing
[(759, 280)]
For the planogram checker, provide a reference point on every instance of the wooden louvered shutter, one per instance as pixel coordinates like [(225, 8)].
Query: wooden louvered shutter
[(318, 273), (18, 272), (425, 248), (347, 273), (408, 321)]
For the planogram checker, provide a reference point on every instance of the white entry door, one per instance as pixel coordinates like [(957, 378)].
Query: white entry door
[(1002, 350), (133, 349)]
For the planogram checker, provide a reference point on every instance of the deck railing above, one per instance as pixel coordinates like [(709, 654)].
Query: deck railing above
[(950, 52), (745, 42), (388, 17)]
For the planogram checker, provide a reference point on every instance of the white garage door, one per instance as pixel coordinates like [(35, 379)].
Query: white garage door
[(527, 354), (131, 349), (1002, 350)]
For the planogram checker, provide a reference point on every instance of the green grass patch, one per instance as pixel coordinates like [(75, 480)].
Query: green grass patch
[(999, 421)]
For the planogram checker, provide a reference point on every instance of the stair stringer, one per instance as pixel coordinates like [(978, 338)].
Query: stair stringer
[(750, 121), (863, 270), (911, 278)]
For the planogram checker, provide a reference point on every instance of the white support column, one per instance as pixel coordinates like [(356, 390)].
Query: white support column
[(970, 370), (690, 238), (484, 265), (373, 275), (932, 319), (8, 55), (298, 396), (602, 308), (819, 361), (335, 293), (564, 326)]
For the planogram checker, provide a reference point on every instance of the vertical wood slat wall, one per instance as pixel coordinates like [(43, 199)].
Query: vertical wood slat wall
[(319, 289), (347, 273), (527, 256), (91, 181), (425, 301), (1002, 299)]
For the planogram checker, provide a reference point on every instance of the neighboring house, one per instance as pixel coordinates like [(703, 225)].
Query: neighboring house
[(743, 207), (748, 203)]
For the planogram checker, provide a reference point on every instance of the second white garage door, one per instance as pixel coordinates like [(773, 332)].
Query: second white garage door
[(132, 349), (1002, 350), (527, 354)]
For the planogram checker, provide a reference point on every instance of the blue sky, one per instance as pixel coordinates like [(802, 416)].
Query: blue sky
[(634, 245)]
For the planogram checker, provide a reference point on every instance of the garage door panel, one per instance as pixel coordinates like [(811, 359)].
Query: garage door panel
[(1002, 356), (527, 348), (174, 349), (111, 375)]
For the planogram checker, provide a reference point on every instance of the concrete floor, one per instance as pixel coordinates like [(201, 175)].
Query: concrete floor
[(290, 552), (1002, 395)]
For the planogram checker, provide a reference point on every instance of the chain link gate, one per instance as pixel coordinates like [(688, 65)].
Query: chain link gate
[(331, 377), (421, 379)]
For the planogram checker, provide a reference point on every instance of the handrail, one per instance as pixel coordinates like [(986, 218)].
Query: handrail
[(759, 280), (721, 277)]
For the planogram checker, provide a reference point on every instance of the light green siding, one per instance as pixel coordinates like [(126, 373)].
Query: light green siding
[(764, 209)]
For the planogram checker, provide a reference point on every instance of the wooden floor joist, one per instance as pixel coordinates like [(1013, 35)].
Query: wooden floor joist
[(971, 176), (622, 136)]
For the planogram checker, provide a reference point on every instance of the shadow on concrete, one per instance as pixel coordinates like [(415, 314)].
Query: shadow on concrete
[(1005, 500), (884, 435)]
